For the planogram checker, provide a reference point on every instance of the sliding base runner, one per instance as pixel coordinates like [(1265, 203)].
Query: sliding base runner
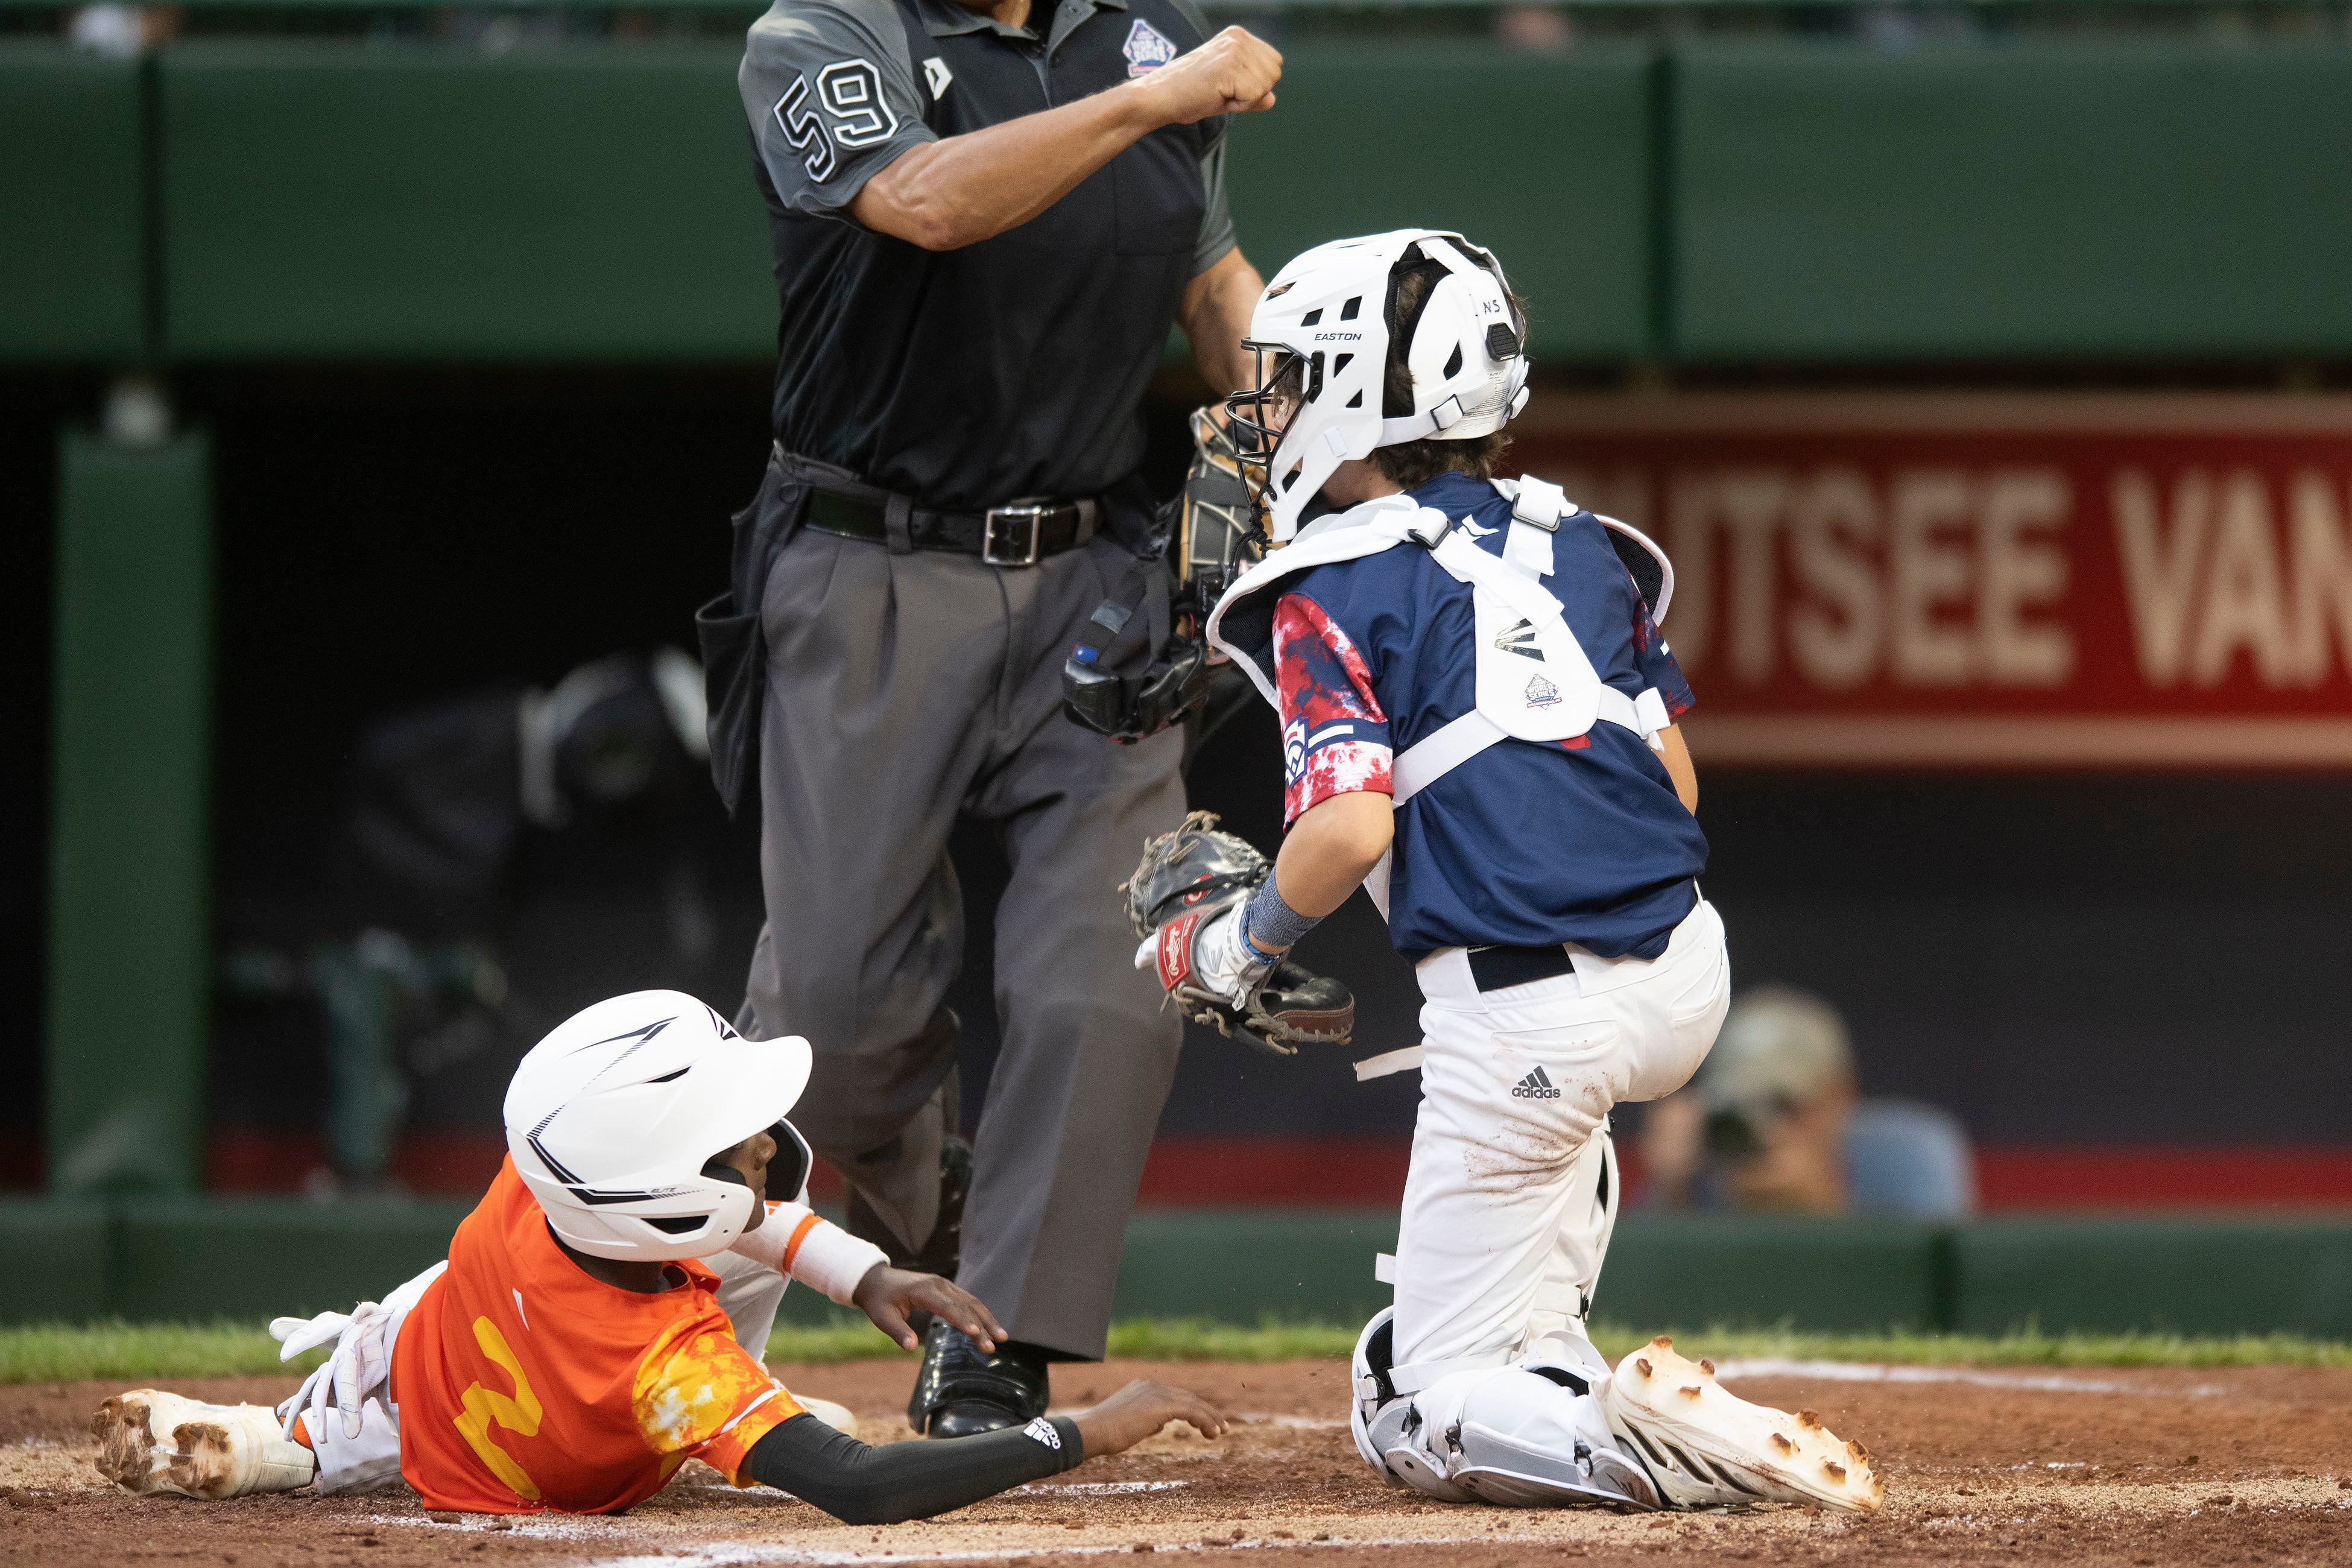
[(600, 1316)]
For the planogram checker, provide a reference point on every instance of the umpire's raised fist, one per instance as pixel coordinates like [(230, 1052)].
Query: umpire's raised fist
[(1232, 73)]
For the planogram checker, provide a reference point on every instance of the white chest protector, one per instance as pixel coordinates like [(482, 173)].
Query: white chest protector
[(1534, 681)]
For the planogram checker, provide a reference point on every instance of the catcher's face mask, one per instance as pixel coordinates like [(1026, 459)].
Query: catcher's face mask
[(1258, 415)]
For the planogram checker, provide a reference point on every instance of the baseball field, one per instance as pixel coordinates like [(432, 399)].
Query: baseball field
[(2023, 1451)]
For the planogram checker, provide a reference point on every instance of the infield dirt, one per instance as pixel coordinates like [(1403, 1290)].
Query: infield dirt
[(2011, 1466)]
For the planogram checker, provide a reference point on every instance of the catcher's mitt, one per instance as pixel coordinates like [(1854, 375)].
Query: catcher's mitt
[(1201, 873)]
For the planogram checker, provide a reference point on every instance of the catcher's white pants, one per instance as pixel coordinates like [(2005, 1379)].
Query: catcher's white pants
[(346, 1405), (1512, 1190)]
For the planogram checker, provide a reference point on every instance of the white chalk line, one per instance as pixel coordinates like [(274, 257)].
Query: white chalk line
[(750, 1556), (1868, 1372)]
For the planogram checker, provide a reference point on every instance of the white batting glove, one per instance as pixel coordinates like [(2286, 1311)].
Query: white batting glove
[(1201, 954), (358, 1338)]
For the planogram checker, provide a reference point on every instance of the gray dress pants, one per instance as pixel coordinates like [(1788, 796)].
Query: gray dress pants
[(901, 691)]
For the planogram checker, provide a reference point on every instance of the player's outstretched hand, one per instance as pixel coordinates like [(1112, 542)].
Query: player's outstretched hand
[(1232, 73), (1140, 1410), (887, 1295)]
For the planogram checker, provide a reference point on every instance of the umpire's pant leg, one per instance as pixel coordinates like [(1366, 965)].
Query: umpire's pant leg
[(1089, 1051), (877, 664)]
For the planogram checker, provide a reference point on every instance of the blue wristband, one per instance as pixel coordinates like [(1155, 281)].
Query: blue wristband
[(1270, 922)]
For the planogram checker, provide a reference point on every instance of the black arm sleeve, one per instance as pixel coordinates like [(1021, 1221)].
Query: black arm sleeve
[(862, 1485)]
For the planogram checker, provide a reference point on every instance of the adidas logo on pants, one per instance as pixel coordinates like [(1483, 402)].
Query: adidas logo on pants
[(1535, 1086)]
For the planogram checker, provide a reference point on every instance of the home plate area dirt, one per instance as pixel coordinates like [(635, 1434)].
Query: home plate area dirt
[(2005, 1467)]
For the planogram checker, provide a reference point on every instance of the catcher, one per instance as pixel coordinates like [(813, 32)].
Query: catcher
[(1479, 727), (600, 1316)]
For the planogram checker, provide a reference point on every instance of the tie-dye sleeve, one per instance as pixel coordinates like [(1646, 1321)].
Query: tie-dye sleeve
[(700, 1394), (1335, 738)]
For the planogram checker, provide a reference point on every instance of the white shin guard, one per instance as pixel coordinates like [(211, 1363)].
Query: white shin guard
[(1515, 1436)]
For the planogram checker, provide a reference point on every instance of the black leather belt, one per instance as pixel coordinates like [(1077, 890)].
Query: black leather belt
[(1494, 968), (1019, 533)]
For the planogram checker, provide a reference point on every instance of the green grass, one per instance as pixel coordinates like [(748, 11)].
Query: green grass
[(1197, 1339), (106, 1352), (74, 1353)]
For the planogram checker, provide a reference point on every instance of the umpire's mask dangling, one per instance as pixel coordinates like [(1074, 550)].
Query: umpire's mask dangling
[(1141, 664), (1128, 676)]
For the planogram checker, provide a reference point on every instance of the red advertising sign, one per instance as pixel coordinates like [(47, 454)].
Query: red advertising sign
[(1988, 581)]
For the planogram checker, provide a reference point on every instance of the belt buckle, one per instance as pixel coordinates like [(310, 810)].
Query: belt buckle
[(1031, 513)]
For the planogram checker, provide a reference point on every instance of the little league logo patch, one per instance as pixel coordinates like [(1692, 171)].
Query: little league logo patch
[(1146, 49), (1293, 745), (1542, 693)]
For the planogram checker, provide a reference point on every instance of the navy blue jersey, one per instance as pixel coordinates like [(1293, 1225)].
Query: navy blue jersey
[(1527, 844)]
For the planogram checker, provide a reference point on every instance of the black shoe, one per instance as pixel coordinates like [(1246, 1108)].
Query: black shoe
[(962, 1391)]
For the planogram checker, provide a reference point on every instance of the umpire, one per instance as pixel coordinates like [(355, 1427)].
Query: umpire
[(985, 219)]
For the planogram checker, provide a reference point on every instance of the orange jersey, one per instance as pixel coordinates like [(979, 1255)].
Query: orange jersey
[(524, 1384)]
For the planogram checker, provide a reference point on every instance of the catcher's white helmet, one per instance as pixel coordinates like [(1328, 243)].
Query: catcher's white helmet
[(1321, 334), (614, 1118)]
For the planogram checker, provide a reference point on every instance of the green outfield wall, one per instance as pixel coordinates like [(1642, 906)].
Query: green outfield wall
[(290, 200), (73, 194), (2115, 199), (328, 201), (195, 1259)]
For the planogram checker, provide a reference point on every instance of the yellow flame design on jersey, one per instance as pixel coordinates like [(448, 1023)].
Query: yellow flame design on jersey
[(684, 1392)]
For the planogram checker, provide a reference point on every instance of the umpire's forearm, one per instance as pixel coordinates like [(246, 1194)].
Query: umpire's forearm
[(1215, 316), (946, 194)]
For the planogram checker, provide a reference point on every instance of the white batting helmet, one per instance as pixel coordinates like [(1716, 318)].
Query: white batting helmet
[(613, 1118), (1321, 334)]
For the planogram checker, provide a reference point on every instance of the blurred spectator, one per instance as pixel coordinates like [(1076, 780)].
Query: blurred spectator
[(1538, 29), (1772, 1122), (122, 30)]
